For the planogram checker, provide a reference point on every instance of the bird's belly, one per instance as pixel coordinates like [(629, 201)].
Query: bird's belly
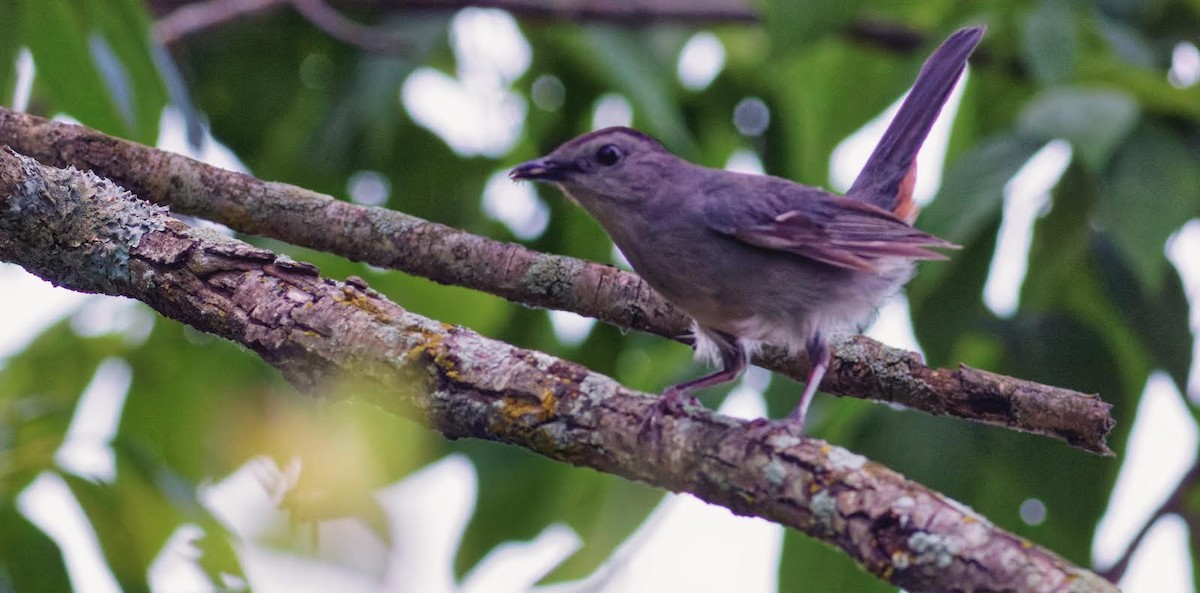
[(780, 298)]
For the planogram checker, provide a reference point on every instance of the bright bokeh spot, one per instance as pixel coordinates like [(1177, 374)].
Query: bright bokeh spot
[(744, 160), (516, 205), (476, 112), (612, 110), (700, 61), (571, 328), (369, 188), (1185, 65)]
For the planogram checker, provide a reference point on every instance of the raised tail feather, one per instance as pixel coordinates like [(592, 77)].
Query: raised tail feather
[(887, 179)]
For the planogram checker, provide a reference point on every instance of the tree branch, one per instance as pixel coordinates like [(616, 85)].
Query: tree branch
[(192, 18), (625, 12), (83, 232), (861, 367)]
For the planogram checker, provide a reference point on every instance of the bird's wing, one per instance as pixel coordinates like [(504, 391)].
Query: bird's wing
[(828, 228)]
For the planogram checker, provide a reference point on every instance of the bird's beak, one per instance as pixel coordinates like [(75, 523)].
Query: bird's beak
[(541, 170)]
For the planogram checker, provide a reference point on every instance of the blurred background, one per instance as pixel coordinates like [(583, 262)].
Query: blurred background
[(138, 454)]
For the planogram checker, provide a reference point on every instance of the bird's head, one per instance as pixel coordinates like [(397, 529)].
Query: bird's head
[(613, 165)]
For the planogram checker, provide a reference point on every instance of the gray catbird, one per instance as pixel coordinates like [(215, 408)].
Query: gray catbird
[(757, 259)]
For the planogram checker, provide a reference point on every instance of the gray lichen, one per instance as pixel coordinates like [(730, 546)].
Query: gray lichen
[(103, 221)]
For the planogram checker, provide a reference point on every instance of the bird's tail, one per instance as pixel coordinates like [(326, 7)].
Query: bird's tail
[(887, 178)]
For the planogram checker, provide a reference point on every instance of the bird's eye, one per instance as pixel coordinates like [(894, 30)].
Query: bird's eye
[(608, 155)]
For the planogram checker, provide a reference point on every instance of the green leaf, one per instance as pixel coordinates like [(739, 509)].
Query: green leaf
[(58, 37), (634, 66), (30, 561), (123, 28), (9, 44), (1094, 121), (810, 566), (1048, 41), (1160, 322), (120, 527), (816, 117), (794, 23), (38, 393), (972, 192), (1151, 189)]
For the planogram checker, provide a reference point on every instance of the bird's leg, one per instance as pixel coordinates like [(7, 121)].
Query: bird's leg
[(734, 360), (818, 360)]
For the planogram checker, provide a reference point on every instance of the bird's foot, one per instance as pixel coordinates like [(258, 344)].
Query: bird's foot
[(760, 432), (674, 402)]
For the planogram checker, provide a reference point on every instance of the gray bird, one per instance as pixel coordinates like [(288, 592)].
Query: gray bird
[(757, 259)]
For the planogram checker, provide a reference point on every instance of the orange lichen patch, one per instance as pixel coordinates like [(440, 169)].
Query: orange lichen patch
[(1026, 544), (362, 302), (516, 407)]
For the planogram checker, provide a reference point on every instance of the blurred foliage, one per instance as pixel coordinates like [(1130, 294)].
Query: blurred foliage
[(1100, 308)]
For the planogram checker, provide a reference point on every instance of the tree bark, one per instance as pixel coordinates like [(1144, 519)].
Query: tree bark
[(861, 367), (83, 232)]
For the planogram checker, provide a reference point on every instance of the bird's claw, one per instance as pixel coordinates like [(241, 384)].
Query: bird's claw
[(759, 432), (674, 402)]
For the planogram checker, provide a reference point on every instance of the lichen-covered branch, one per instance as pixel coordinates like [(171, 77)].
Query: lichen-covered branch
[(83, 232), (861, 368)]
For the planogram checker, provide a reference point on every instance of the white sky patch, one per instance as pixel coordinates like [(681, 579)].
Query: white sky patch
[(619, 259), (744, 160), (1161, 448), (700, 61), (516, 205), (689, 545), (86, 451), (427, 514), (476, 113), (515, 567), (369, 188), (850, 156), (28, 305), (175, 567), (1026, 198), (471, 118), (894, 325), (127, 317), (1185, 65), (48, 503), (172, 136), (571, 328), (1182, 248), (488, 44), (612, 110), (24, 87), (1161, 564)]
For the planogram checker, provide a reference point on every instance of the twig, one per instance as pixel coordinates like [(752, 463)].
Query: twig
[(85, 233), (189, 19), (626, 12), (1174, 504), (861, 368)]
